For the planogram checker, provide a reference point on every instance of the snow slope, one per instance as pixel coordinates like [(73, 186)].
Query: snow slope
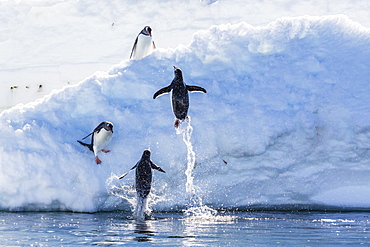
[(286, 120)]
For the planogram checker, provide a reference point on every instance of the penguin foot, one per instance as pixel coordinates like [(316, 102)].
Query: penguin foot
[(98, 161), (177, 123), (105, 151)]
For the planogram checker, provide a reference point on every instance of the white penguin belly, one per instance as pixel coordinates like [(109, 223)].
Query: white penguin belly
[(144, 47), (101, 140)]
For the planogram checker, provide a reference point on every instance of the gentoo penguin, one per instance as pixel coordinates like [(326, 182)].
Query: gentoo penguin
[(180, 96), (143, 175), (101, 136), (144, 44)]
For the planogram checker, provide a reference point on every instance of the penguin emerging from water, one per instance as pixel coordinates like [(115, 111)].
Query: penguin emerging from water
[(101, 136), (144, 44), (180, 96), (143, 178)]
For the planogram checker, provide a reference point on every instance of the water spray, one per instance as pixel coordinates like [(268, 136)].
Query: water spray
[(196, 207)]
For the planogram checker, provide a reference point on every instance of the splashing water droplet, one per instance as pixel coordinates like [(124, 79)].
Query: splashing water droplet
[(196, 207), (140, 207), (187, 130)]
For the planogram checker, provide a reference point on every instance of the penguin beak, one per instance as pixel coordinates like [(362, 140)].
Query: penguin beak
[(174, 67)]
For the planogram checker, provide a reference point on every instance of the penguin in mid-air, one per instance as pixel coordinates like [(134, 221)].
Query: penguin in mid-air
[(144, 44), (143, 178), (101, 136), (180, 96)]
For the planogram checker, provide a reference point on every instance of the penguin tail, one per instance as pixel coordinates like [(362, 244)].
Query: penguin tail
[(87, 145)]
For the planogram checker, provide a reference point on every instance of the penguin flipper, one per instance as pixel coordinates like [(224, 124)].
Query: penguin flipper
[(134, 47), (87, 145), (124, 175), (88, 135), (154, 166), (162, 91), (195, 89), (154, 47)]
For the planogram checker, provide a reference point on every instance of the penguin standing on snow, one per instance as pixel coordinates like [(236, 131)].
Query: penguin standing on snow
[(143, 178), (101, 136), (180, 96), (144, 44)]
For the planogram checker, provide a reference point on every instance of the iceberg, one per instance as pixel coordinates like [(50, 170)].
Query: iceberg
[(286, 121)]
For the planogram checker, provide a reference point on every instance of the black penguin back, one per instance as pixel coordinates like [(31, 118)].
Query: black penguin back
[(144, 175), (180, 96)]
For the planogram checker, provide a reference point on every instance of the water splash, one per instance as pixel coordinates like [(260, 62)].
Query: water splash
[(187, 130), (140, 207), (196, 207), (126, 192)]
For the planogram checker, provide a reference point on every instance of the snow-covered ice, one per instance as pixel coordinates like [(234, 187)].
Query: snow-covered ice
[(286, 120)]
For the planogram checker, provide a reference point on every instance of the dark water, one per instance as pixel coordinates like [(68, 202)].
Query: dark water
[(256, 228)]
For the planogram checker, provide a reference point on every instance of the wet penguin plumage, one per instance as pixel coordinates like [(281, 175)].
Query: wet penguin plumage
[(143, 177), (101, 136), (180, 96), (144, 44)]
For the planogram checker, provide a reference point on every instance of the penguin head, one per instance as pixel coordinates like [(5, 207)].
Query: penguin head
[(147, 31), (178, 72), (108, 126), (146, 153)]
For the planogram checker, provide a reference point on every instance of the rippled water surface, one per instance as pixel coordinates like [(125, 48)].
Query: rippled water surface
[(174, 229)]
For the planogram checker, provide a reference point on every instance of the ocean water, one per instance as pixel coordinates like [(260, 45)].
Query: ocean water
[(226, 228)]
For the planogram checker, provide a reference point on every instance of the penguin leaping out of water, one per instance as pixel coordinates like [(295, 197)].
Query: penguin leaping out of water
[(143, 179), (180, 96), (144, 44), (101, 136)]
